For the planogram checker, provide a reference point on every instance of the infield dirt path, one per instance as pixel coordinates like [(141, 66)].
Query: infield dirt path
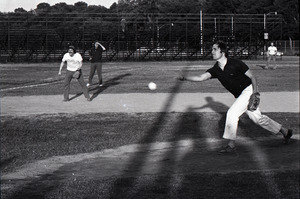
[(141, 102)]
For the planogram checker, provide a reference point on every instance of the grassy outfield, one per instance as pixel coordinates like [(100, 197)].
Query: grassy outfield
[(28, 139), (133, 77), (25, 140)]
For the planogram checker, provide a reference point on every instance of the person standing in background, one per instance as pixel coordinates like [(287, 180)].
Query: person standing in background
[(271, 55), (96, 62)]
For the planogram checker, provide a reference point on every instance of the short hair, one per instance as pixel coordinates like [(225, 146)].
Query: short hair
[(73, 48), (222, 45)]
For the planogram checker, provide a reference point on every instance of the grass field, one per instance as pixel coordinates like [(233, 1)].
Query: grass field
[(142, 154), (133, 77)]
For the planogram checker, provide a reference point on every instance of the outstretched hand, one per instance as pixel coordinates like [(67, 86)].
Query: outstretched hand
[(182, 75)]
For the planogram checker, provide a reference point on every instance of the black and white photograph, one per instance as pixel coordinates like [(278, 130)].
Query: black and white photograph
[(149, 99)]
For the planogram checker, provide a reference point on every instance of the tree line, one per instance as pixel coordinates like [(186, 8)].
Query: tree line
[(288, 9)]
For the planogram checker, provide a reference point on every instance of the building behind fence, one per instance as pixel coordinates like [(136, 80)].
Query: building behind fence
[(37, 37)]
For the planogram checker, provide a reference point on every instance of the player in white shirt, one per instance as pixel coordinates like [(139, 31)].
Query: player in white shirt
[(74, 63), (271, 55)]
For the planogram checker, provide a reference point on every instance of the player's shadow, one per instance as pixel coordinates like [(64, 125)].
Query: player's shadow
[(97, 90), (217, 107), (109, 83), (75, 96)]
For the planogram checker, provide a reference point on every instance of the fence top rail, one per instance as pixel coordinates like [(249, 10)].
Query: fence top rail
[(134, 14), (158, 18)]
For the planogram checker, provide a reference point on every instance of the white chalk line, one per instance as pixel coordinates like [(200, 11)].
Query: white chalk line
[(28, 86)]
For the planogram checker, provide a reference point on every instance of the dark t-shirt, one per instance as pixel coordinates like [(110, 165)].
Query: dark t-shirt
[(96, 54), (233, 77)]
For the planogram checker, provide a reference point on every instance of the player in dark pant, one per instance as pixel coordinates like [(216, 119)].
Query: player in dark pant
[(96, 66), (68, 78), (74, 64), (96, 62)]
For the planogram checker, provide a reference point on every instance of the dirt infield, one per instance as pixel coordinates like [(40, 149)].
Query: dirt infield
[(138, 102)]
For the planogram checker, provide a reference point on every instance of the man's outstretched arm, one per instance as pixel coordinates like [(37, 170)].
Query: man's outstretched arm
[(197, 78)]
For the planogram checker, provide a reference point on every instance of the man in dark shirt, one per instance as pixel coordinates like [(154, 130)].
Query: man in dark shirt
[(96, 62), (238, 79)]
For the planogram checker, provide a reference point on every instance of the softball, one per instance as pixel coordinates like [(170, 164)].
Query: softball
[(152, 86)]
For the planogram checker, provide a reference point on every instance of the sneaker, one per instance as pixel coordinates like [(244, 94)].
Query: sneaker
[(66, 100), (263, 67), (288, 136), (87, 85), (100, 85), (227, 149)]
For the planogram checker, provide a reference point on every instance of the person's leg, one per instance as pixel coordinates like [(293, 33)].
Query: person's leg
[(92, 72), (274, 60), (233, 115), (268, 61), (269, 124), (68, 78), (84, 87), (99, 71)]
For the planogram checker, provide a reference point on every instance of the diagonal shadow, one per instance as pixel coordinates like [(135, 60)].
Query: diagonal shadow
[(108, 83), (189, 127), (6, 162), (75, 96), (139, 159), (45, 184), (217, 107), (111, 82)]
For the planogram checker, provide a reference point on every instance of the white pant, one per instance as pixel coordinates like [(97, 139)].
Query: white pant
[(238, 108)]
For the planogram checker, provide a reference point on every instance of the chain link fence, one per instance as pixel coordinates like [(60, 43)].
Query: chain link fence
[(40, 37)]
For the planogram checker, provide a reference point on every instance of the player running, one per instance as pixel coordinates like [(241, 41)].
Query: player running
[(238, 79)]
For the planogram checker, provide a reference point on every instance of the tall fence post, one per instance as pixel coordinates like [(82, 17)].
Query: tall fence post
[(201, 33)]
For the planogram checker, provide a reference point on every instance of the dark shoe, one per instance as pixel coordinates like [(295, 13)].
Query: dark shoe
[(288, 136), (66, 100), (263, 67), (227, 149)]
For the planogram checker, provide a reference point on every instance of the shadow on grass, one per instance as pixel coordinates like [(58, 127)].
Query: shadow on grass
[(5, 162), (217, 107), (109, 83)]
